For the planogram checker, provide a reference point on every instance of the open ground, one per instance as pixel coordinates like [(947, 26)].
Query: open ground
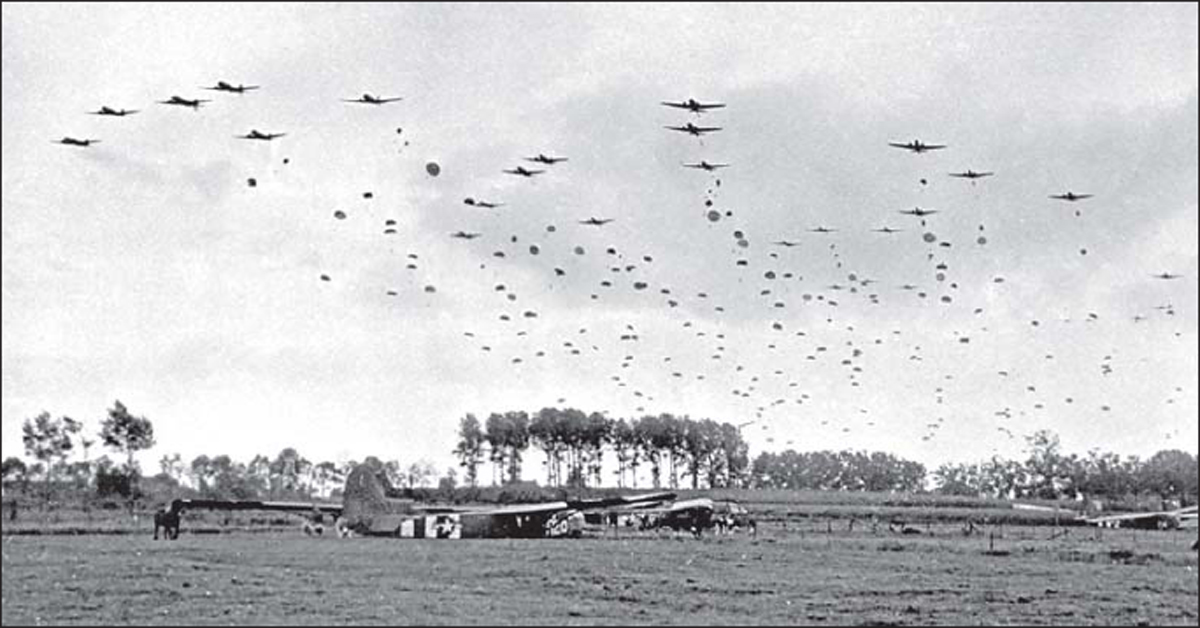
[(794, 576)]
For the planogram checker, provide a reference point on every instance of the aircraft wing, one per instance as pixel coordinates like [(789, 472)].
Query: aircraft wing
[(226, 504), (1168, 519), (621, 500)]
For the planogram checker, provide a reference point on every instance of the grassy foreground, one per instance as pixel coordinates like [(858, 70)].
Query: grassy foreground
[(782, 576)]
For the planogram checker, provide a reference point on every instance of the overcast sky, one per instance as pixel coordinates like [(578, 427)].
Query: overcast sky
[(145, 269)]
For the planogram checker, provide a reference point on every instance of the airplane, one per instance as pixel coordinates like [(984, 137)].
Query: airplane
[(916, 146), (523, 172), (183, 102), (917, 211), (222, 86), (255, 135), (464, 235), (1167, 276), (786, 243), (1159, 520), (542, 159), (822, 230), (596, 222), (368, 99), (109, 111), (370, 507), (485, 204), (70, 141), (704, 165), (971, 174), (1070, 196), (886, 229), (693, 129), (693, 106)]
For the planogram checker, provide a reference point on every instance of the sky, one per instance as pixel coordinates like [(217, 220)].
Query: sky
[(144, 268)]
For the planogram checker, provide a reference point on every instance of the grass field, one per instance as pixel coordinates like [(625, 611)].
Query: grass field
[(794, 576)]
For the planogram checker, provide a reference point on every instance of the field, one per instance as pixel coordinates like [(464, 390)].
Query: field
[(805, 574)]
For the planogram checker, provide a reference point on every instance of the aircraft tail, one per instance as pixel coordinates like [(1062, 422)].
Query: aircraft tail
[(365, 498)]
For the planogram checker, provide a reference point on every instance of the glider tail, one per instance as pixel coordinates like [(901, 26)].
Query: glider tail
[(365, 499)]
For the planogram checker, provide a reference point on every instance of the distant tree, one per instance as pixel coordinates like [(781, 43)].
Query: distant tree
[(394, 472), (286, 471), (1046, 465), (623, 444), (15, 473), (418, 473), (516, 441), (48, 441), (202, 473), (496, 434), (326, 475), (548, 432), (172, 466), (957, 479), (1170, 474), (128, 434), (448, 483), (470, 448), (258, 474)]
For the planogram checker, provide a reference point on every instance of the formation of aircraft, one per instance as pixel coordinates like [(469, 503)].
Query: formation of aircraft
[(693, 106), (194, 103), (832, 280), (222, 86), (367, 99), (917, 146)]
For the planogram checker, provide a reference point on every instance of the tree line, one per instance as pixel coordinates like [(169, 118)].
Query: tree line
[(1049, 473), (62, 466), (574, 442), (673, 451)]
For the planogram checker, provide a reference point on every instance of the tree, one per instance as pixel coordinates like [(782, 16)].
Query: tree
[(46, 440), (1046, 464), (202, 474), (15, 472), (470, 448), (172, 466), (447, 483), (285, 472), (516, 440), (129, 434), (1170, 474), (418, 473)]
